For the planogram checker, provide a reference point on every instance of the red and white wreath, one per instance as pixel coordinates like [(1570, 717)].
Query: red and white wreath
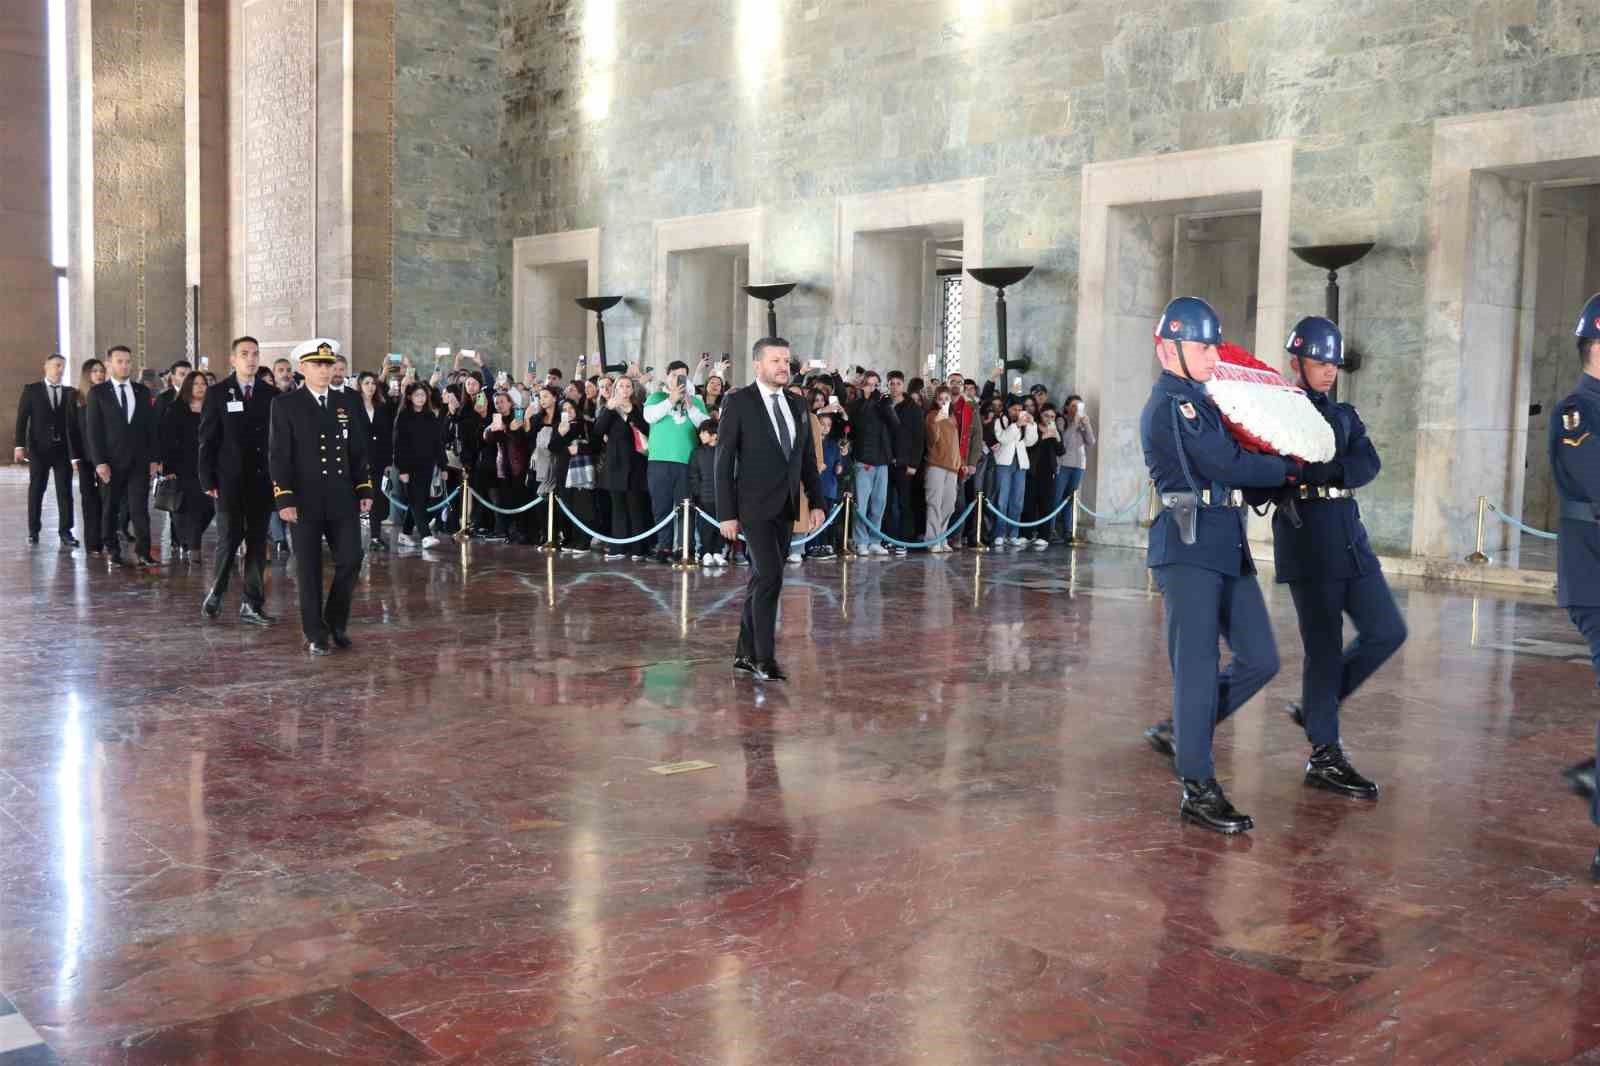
[(1264, 412)]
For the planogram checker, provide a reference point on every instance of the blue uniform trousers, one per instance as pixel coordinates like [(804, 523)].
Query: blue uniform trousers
[(1203, 606), (1587, 619), (1332, 670)]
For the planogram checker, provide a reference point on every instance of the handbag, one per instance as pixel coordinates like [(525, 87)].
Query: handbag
[(167, 495), (641, 442), (580, 472)]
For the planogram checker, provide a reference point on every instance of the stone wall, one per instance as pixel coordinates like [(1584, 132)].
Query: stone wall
[(447, 180), (620, 113), (28, 312)]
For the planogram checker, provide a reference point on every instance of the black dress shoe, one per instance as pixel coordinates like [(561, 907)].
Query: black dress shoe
[(147, 560), (1297, 714), (340, 640), (1329, 769), (212, 606), (1580, 778), (1204, 804), (69, 541), (1160, 738), (116, 558), (254, 616), (33, 538), (745, 663), (317, 648), (378, 544), (769, 670)]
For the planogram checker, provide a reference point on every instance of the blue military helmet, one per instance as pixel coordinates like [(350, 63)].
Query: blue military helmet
[(1189, 318), (1317, 339), (1589, 320)]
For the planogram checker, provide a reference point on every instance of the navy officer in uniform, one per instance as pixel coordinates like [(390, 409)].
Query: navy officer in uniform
[(1575, 462), (1322, 552), (321, 487), (1201, 557)]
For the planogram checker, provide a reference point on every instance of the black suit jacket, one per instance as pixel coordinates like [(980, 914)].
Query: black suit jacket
[(110, 438), (43, 431), (317, 458), (755, 480), (233, 442)]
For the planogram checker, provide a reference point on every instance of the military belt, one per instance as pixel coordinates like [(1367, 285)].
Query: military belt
[(1233, 498), (1324, 492), (1579, 510)]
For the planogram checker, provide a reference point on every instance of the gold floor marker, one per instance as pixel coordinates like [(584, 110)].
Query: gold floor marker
[(689, 767)]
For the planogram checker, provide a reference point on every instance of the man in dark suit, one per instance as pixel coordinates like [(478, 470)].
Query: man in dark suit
[(120, 435), (234, 428), (764, 455), (44, 442), (321, 486)]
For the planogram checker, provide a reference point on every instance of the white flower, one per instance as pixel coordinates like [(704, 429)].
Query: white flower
[(1268, 408)]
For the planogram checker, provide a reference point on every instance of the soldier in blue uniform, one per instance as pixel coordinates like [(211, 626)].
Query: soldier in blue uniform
[(321, 486), (1201, 557), (1575, 461), (1321, 551)]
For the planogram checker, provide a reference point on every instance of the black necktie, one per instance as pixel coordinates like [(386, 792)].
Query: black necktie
[(247, 392), (323, 400), (122, 401), (55, 397), (783, 426)]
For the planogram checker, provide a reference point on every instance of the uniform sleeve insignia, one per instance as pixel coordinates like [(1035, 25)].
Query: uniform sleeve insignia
[(1187, 411), (1571, 419), (1571, 443)]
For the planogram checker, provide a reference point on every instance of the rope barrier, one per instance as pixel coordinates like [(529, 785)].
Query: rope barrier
[(799, 543), (1117, 515), (954, 528), (659, 526), (436, 508), (1508, 520), (530, 505), (1024, 525)]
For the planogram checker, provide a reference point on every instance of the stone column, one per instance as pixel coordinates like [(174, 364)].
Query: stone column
[(311, 116), (139, 178), (28, 312), (208, 235)]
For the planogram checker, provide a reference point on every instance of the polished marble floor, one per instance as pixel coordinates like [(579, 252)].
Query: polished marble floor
[(944, 842)]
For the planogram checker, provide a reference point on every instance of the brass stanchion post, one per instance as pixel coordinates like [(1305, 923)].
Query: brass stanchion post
[(977, 511), (686, 557), (849, 509), (466, 510), (549, 523), (1478, 557), (1077, 537)]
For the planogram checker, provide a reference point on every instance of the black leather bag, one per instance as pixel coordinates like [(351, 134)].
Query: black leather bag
[(167, 495)]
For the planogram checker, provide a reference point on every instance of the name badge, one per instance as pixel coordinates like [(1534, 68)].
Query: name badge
[(236, 406)]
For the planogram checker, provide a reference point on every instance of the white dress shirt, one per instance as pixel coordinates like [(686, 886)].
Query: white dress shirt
[(767, 393)]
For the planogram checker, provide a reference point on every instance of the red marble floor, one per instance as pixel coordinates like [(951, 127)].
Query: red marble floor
[(944, 842)]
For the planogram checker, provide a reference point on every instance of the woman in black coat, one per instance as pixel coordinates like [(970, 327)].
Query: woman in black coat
[(380, 449), (418, 450), (179, 437), (626, 468)]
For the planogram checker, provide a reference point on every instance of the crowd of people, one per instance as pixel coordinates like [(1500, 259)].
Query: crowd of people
[(622, 450)]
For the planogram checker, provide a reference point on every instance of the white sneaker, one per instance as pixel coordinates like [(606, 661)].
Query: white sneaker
[(707, 559), (719, 559), (1039, 544), (794, 558), (430, 542), (1016, 542), (407, 539), (877, 549)]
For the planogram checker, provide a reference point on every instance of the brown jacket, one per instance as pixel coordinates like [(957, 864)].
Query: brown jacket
[(944, 442)]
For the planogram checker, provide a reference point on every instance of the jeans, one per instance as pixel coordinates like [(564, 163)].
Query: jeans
[(1068, 480), (872, 493), (1011, 487), (669, 486)]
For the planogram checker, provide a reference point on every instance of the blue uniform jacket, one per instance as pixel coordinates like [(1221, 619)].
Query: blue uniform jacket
[(1331, 543), (1575, 461), (1181, 426)]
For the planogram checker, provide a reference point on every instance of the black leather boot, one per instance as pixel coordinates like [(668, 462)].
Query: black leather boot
[(1297, 714), (1204, 804), (1330, 769), (1160, 738), (1581, 778)]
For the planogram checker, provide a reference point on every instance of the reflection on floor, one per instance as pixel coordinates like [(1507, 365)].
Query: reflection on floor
[(944, 842)]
